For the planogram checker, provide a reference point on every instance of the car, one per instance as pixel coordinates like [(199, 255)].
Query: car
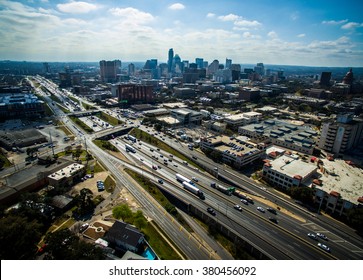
[(195, 179), (155, 167), (272, 219), (83, 227), (312, 236), (244, 201), (238, 207), (261, 209), (141, 159), (322, 236), (175, 165), (271, 210), (324, 247), (161, 181), (211, 211)]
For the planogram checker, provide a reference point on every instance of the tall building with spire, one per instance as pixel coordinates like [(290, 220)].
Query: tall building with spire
[(170, 60)]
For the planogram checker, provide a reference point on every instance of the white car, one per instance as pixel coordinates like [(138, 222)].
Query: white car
[(238, 207), (261, 209), (194, 179), (324, 247), (312, 236), (244, 201)]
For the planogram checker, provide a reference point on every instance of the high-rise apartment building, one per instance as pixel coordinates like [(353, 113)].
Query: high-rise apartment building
[(109, 70), (340, 135)]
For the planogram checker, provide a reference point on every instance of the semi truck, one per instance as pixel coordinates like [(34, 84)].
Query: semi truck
[(243, 196), (223, 189), (129, 148), (131, 138), (193, 189), (182, 179)]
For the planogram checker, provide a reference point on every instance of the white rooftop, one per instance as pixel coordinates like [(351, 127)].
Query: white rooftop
[(67, 171), (291, 167)]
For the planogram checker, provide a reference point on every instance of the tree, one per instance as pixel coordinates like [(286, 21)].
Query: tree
[(85, 202), (304, 194), (65, 245), (122, 211), (355, 218), (216, 155), (139, 220), (18, 238)]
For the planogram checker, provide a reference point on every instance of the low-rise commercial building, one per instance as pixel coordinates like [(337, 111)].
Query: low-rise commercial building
[(186, 116), (234, 151), (286, 172), (20, 105), (280, 133), (234, 121), (67, 175)]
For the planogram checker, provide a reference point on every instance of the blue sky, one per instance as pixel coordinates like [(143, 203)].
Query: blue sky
[(312, 33)]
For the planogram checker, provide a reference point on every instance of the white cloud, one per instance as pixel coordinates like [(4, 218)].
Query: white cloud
[(132, 14), (248, 35), (247, 23), (352, 25), (272, 34), (77, 7), (239, 22), (230, 17), (176, 6), (302, 35), (336, 45), (211, 15), (334, 22)]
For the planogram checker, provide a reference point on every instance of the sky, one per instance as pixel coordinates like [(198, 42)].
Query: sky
[(284, 32)]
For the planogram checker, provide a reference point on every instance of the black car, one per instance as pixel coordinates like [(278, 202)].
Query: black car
[(271, 210), (211, 211), (272, 219)]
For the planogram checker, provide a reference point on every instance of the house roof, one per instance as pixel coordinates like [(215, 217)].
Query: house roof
[(124, 233)]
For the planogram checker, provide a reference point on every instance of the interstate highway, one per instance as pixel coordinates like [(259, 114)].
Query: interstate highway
[(249, 223)]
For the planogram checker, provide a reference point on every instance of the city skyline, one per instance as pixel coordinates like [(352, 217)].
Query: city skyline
[(312, 33)]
